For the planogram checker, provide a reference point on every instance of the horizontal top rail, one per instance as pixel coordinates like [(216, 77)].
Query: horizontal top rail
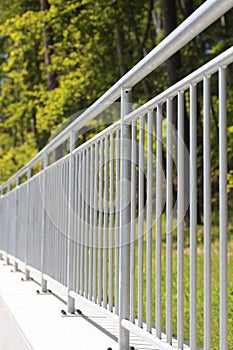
[(209, 68), (205, 15)]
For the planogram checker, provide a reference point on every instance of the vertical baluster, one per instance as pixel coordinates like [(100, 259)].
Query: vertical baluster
[(91, 209), (169, 205), (149, 221), (95, 232), (79, 204), (58, 212), (75, 267), (180, 223), (193, 216), (100, 240), (87, 217), (16, 222), (158, 218), (141, 220), (28, 233), (223, 208), (207, 216), (105, 247), (111, 223), (43, 231), (67, 222), (70, 265), (133, 220), (117, 224), (82, 241), (63, 216), (8, 229)]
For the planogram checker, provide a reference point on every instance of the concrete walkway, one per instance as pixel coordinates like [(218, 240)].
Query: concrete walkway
[(42, 325), (29, 320)]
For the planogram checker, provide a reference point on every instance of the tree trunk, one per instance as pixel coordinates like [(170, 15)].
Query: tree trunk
[(120, 49), (51, 78), (173, 64), (186, 7), (48, 45)]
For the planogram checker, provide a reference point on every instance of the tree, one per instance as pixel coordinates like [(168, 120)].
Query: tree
[(48, 47), (57, 57)]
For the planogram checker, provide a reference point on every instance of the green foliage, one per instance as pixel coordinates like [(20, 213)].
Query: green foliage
[(82, 57), (90, 45), (15, 158)]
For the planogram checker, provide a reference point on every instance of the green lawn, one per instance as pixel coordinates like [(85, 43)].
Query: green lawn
[(200, 286)]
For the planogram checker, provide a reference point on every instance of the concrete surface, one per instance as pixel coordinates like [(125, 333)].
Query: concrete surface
[(29, 320), (34, 321)]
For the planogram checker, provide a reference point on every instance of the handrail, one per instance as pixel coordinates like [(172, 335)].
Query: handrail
[(205, 15), (194, 78)]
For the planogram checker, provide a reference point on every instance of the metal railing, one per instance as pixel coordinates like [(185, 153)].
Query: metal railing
[(96, 221)]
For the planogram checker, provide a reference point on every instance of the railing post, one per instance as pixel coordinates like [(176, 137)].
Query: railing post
[(16, 267), (2, 221), (1, 225), (125, 210), (27, 272), (8, 233), (71, 301), (43, 233)]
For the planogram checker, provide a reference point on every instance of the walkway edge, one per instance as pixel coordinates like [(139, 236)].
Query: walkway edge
[(12, 337)]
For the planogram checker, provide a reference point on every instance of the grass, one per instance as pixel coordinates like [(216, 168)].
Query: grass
[(200, 285)]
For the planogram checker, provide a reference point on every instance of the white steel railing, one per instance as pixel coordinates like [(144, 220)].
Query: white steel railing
[(96, 221)]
